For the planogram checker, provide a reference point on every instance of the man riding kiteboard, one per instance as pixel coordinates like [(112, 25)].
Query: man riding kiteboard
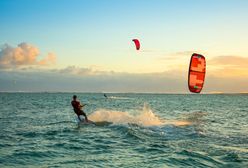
[(77, 107)]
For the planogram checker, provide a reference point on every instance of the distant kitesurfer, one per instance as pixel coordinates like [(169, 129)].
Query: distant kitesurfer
[(77, 107), (105, 95)]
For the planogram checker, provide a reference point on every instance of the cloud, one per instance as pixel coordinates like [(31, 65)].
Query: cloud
[(91, 71), (224, 66), (218, 66), (78, 79), (49, 59), (224, 74), (229, 60), (23, 55), (68, 80)]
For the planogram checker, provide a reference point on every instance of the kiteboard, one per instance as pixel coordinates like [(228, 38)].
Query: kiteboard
[(83, 121)]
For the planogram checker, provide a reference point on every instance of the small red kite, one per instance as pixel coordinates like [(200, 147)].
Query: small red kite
[(137, 43)]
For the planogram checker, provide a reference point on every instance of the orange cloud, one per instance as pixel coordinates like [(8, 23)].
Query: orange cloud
[(23, 55), (218, 66), (229, 60), (49, 59), (225, 66)]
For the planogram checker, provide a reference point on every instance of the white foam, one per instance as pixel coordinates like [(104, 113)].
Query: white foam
[(120, 98), (144, 117)]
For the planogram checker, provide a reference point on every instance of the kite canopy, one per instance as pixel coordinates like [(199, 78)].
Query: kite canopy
[(197, 70), (137, 43)]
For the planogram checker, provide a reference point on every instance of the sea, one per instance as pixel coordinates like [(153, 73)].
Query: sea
[(131, 130)]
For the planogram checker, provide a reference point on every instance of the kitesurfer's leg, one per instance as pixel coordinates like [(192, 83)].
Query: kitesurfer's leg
[(78, 112), (79, 117), (85, 116)]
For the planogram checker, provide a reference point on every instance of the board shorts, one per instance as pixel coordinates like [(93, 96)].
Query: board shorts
[(79, 112)]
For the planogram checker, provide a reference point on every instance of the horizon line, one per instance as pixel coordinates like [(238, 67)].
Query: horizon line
[(92, 92)]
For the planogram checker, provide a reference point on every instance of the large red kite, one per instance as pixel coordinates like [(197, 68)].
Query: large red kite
[(197, 70)]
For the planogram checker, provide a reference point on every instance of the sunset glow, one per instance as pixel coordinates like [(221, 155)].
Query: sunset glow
[(85, 39)]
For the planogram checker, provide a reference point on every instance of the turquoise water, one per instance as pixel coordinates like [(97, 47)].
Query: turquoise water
[(132, 130)]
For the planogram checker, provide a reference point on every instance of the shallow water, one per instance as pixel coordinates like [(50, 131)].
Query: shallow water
[(132, 130)]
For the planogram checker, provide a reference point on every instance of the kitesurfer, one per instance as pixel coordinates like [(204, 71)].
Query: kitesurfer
[(77, 107), (105, 95)]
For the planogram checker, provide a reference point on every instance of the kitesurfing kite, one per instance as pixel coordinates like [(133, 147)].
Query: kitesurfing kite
[(197, 70), (137, 43)]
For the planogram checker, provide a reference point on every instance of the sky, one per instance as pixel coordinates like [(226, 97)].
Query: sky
[(86, 45)]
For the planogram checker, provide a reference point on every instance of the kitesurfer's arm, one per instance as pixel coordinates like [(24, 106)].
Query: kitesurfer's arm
[(82, 105)]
